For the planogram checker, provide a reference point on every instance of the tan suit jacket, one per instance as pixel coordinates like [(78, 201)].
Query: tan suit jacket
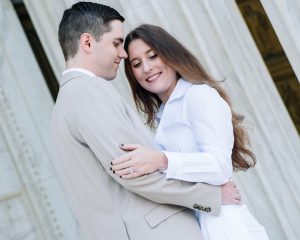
[(89, 121)]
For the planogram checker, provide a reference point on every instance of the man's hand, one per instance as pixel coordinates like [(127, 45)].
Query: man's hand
[(230, 194)]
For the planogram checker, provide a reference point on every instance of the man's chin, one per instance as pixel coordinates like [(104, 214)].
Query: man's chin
[(109, 78)]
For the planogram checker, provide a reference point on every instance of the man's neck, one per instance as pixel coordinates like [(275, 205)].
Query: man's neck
[(78, 62)]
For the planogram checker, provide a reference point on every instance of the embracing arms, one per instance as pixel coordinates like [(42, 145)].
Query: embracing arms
[(106, 122), (210, 132)]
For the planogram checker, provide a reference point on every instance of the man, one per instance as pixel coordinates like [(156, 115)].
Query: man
[(89, 122)]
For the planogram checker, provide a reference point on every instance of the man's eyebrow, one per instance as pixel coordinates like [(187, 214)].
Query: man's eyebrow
[(149, 50), (120, 39)]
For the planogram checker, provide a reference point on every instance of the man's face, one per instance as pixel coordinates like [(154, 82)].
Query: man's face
[(108, 53)]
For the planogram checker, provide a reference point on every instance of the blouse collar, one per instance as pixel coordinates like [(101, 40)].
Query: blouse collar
[(179, 91)]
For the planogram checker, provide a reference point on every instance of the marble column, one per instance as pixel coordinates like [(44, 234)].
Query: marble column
[(217, 34), (32, 203), (285, 18)]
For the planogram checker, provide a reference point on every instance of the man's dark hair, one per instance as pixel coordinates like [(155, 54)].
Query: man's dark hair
[(84, 17)]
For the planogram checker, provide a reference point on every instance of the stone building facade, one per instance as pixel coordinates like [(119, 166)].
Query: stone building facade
[(252, 44)]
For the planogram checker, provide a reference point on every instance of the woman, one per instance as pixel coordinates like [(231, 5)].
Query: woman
[(201, 136)]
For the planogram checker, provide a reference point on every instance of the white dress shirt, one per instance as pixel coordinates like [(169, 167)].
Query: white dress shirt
[(195, 132)]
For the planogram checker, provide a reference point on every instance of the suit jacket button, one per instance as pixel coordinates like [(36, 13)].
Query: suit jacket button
[(196, 206), (208, 209)]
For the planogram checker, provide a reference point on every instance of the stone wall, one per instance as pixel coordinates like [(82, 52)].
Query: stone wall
[(32, 203)]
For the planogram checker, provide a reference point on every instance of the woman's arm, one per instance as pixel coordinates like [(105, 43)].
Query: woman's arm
[(192, 167), (210, 118)]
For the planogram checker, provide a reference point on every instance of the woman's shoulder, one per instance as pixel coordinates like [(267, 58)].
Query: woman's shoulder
[(202, 91), (205, 96)]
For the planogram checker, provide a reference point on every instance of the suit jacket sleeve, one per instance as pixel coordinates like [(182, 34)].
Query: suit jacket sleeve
[(103, 121)]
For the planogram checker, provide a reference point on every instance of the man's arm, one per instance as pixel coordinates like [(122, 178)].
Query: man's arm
[(103, 122)]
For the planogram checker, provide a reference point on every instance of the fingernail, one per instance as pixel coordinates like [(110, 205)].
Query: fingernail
[(120, 176), (114, 171), (111, 163), (122, 145), (110, 168)]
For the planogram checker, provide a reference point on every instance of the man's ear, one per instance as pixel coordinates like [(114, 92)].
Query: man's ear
[(86, 41)]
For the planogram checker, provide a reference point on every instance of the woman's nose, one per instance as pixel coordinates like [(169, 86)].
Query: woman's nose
[(146, 66)]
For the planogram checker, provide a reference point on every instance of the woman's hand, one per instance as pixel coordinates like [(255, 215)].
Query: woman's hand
[(139, 161)]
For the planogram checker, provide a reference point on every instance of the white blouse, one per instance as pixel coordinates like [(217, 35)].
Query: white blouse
[(195, 127)]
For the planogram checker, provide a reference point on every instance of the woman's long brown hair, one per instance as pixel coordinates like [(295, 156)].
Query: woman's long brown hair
[(187, 66)]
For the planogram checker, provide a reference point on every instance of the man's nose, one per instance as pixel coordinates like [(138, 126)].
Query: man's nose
[(122, 53)]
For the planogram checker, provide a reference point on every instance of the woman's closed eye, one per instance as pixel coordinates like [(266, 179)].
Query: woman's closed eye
[(136, 64), (153, 56)]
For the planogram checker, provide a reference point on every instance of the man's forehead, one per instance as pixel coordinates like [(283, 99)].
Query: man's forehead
[(116, 32), (117, 28)]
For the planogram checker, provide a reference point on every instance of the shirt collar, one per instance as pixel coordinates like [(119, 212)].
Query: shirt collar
[(82, 70), (74, 73), (180, 89)]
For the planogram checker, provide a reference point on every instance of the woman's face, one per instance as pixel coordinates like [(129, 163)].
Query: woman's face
[(150, 71)]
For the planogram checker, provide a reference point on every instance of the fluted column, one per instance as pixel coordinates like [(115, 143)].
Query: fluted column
[(285, 18), (217, 34), (45, 16), (32, 203)]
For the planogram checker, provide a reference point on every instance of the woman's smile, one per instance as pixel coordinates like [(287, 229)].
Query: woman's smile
[(153, 77)]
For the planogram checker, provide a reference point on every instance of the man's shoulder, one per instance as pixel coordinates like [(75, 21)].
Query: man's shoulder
[(82, 91), (83, 84), (71, 81)]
